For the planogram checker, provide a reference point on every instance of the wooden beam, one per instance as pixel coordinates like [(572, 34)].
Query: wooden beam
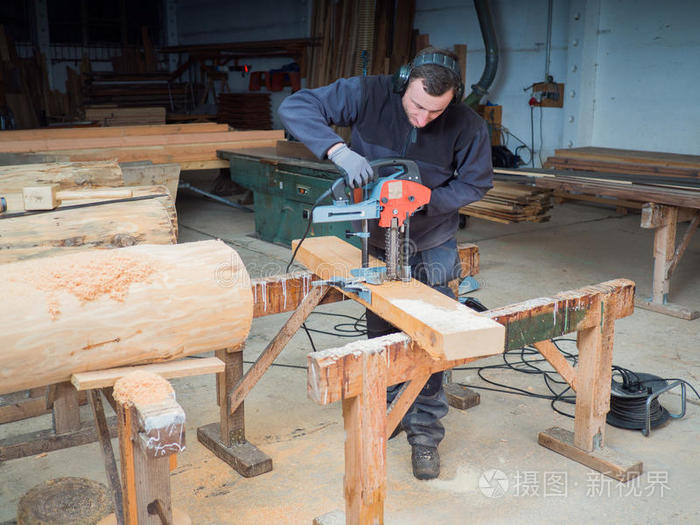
[(169, 370), (683, 245), (639, 192), (334, 374), (129, 141), (555, 358), (664, 245), (273, 349), (226, 438), (78, 226), (403, 401), (284, 293), (67, 175), (150, 430), (111, 131), (657, 215), (364, 419), (606, 460), (107, 454), (441, 325), (594, 374), (183, 154), (565, 312)]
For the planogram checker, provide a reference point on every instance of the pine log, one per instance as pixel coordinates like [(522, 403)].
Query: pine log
[(167, 175), (67, 175), (102, 309), (148, 217)]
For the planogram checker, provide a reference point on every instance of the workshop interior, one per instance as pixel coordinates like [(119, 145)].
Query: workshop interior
[(245, 283)]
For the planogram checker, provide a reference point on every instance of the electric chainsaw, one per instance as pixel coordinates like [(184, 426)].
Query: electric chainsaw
[(393, 196)]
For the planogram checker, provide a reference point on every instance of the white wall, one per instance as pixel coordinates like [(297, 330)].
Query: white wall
[(521, 29), (631, 68), (648, 89)]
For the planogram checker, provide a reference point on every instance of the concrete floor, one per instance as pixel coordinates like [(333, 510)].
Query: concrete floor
[(581, 245)]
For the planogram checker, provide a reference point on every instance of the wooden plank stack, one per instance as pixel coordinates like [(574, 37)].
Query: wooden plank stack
[(346, 28), (245, 110), (111, 115), (509, 202), (193, 146), (626, 161)]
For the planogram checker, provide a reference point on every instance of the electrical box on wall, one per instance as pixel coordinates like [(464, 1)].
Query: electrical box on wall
[(549, 94)]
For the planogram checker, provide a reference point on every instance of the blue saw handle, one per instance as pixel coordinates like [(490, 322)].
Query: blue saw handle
[(408, 171)]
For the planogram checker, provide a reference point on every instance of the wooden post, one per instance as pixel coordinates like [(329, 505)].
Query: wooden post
[(365, 445), (664, 220), (594, 373), (226, 438), (66, 409), (232, 423), (148, 435), (664, 245)]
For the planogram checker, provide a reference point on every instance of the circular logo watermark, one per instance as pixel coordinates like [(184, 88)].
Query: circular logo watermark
[(493, 483)]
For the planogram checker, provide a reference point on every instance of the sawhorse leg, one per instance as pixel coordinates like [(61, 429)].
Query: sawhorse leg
[(664, 220), (227, 439), (592, 382)]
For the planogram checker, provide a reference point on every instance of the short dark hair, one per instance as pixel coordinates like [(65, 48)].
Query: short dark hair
[(437, 80)]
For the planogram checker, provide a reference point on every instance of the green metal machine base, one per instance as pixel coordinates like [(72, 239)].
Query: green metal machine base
[(284, 190)]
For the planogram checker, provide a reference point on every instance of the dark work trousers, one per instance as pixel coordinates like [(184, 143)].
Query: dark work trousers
[(435, 267)]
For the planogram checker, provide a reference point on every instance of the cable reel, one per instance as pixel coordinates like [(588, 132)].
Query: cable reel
[(634, 401)]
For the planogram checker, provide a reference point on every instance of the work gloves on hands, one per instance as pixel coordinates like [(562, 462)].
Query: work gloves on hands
[(356, 169)]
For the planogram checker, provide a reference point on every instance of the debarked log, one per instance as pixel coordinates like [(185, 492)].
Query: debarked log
[(101, 309)]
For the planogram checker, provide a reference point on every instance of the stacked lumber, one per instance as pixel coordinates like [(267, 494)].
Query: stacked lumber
[(110, 115), (245, 110), (510, 202), (626, 161), (136, 90), (193, 146), (622, 190), (346, 28), (25, 88)]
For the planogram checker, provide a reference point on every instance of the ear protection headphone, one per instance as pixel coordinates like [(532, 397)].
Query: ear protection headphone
[(439, 59)]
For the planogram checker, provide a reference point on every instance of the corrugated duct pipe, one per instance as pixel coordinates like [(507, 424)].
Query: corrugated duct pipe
[(488, 32)]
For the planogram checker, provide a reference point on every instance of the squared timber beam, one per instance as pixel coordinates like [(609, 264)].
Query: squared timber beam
[(442, 326)]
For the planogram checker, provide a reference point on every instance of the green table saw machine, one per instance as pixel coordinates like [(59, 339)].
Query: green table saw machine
[(284, 190)]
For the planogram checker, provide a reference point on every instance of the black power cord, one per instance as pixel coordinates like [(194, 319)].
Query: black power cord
[(628, 398)]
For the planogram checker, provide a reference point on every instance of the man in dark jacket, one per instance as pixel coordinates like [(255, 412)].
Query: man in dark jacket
[(416, 114)]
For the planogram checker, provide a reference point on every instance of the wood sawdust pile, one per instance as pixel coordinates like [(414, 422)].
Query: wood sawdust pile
[(143, 388), (88, 278)]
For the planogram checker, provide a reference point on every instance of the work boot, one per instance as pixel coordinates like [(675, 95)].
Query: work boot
[(426, 462)]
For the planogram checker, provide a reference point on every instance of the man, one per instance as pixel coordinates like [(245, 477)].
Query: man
[(418, 115)]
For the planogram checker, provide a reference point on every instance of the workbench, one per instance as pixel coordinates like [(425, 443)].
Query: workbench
[(284, 191), (663, 207)]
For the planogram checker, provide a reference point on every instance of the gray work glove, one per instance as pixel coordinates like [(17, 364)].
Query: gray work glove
[(356, 169)]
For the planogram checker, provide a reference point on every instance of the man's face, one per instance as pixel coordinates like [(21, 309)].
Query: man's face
[(421, 108)]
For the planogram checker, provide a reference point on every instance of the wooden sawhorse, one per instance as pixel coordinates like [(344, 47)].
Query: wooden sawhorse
[(664, 221), (150, 436), (358, 374), (291, 292)]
